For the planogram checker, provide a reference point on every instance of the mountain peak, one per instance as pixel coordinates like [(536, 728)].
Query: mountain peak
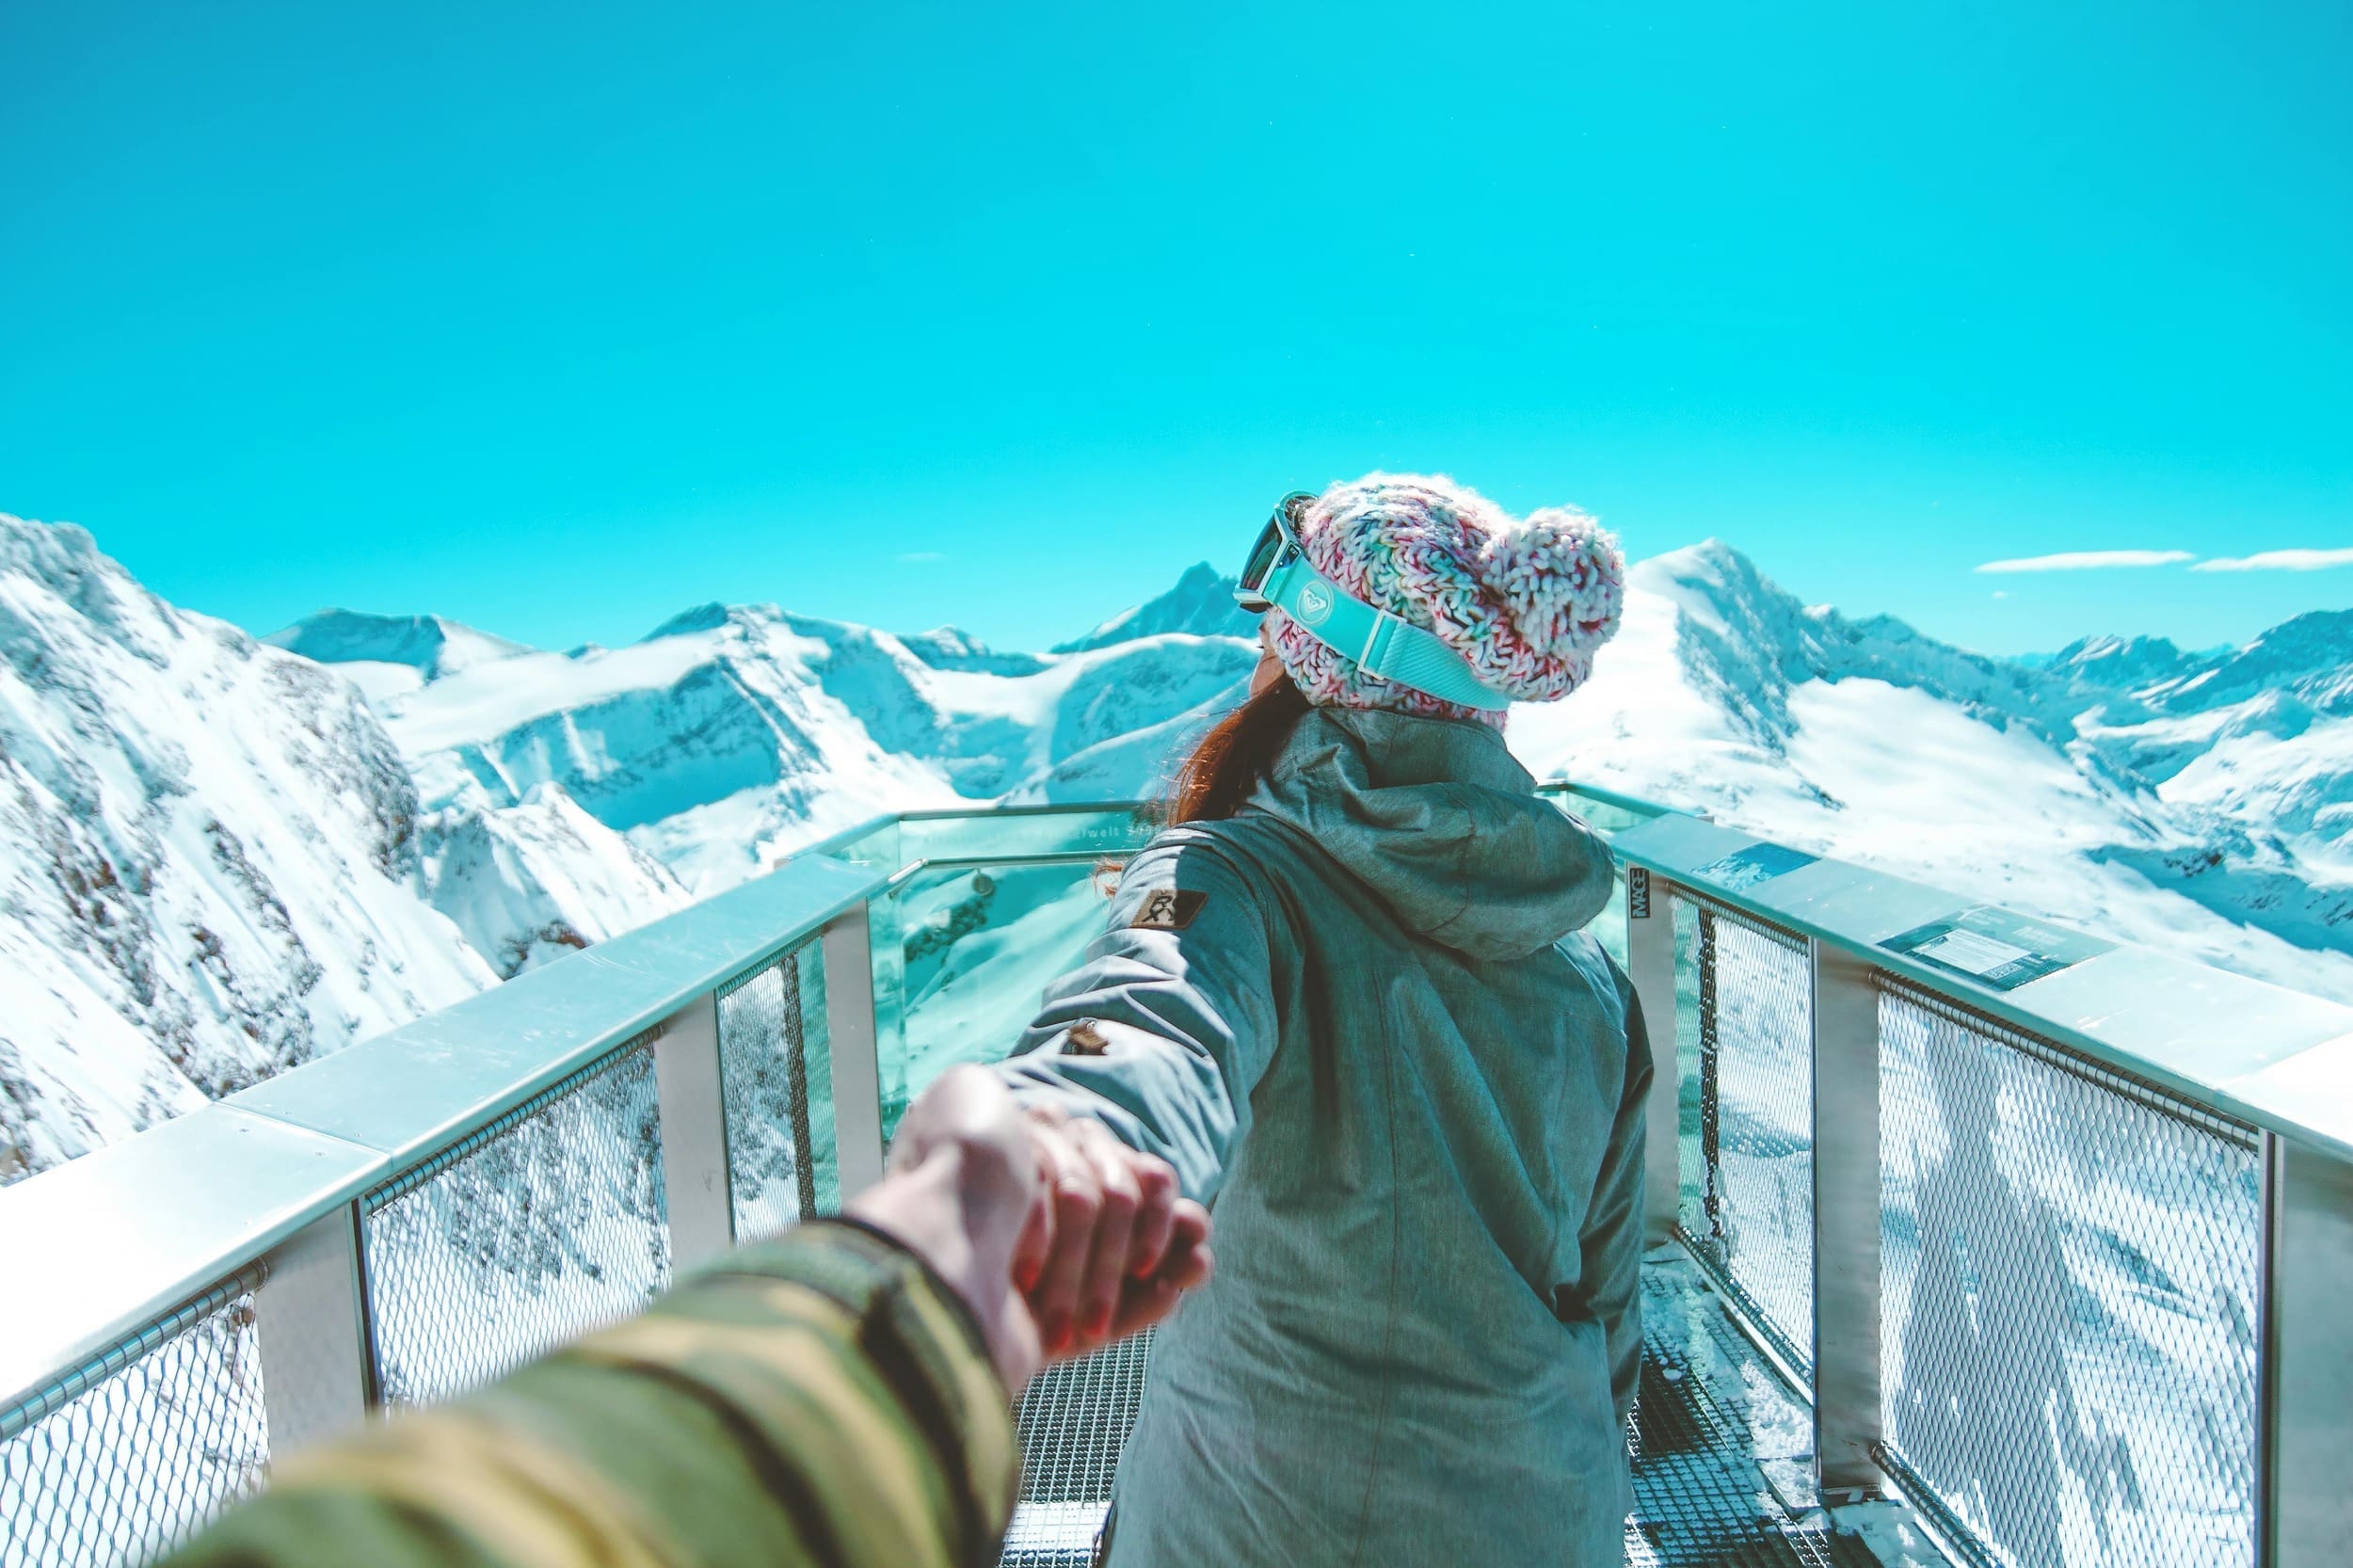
[(2120, 663), (711, 617), (430, 645), (1201, 603), (951, 648)]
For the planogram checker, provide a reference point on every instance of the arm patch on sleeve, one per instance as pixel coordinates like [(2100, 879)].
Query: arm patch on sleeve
[(1168, 909)]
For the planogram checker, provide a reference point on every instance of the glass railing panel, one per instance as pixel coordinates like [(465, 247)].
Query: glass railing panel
[(544, 1224), (2069, 1299), (1028, 833), (141, 1447), (1744, 1037), (875, 846), (775, 1081), (978, 946), (1605, 812)]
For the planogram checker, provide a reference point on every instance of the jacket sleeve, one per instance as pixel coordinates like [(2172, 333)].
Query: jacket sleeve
[(1164, 1030), (821, 1399), (1612, 1237)]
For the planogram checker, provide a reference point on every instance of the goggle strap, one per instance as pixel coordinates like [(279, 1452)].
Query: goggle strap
[(1379, 644)]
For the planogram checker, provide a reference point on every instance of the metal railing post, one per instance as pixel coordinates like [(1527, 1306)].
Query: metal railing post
[(1650, 953), (695, 1186), (1846, 1223), (311, 1329), (2306, 1508), (850, 1038)]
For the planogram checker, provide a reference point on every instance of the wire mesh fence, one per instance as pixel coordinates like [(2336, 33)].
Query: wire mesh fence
[(1744, 1046), (132, 1452), (2069, 1299), (1074, 1422), (774, 1157), (545, 1223)]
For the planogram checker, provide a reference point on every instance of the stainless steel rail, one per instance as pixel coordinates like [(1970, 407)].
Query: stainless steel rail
[(268, 1215), (2119, 1034)]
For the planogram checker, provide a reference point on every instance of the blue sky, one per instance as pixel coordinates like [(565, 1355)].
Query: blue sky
[(561, 318)]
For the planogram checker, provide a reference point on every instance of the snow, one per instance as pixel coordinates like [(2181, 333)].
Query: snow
[(218, 857), (2166, 815), (541, 878), (428, 645), (206, 853)]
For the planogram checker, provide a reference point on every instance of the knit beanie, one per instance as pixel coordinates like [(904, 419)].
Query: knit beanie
[(1525, 602)]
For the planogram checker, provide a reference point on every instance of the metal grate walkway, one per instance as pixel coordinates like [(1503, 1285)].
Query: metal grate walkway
[(1721, 1461)]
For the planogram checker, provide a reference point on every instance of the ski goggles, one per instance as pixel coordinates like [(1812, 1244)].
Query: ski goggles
[(1278, 576)]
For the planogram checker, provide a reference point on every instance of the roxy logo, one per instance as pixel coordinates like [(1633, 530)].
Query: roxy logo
[(1315, 602)]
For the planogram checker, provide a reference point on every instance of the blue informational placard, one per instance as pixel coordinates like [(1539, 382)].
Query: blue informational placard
[(1998, 950), (1744, 868)]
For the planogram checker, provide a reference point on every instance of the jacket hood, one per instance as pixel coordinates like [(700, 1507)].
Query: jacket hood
[(1439, 817)]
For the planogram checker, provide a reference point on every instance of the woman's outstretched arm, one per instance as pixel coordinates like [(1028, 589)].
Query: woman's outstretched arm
[(1164, 1030)]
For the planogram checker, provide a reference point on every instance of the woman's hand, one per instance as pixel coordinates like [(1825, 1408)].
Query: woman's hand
[(1010, 1210), (1112, 1247)]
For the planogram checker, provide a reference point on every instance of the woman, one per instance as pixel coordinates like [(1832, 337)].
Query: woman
[(1347, 996)]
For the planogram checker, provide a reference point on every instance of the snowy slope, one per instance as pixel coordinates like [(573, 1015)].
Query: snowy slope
[(531, 881), (386, 655), (731, 735), (2097, 788), (206, 852), (219, 859), (1201, 604)]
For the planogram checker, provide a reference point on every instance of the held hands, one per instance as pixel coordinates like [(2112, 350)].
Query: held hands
[(1059, 1237), (1112, 1247)]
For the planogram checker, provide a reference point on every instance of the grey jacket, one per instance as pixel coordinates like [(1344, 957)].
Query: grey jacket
[(1370, 1028)]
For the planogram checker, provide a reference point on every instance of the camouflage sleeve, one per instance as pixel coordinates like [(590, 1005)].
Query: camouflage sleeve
[(820, 1399)]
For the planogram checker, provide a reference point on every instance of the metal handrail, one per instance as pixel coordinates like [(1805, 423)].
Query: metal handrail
[(126, 1233), (2251, 1051), (123, 1238)]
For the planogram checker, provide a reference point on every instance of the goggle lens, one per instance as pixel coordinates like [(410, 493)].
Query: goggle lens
[(1262, 556)]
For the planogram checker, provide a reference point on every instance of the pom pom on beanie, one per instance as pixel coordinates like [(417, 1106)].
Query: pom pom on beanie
[(1525, 602)]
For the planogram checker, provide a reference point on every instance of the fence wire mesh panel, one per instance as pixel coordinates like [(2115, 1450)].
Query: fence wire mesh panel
[(1744, 1048), (1721, 1450), (133, 1454), (1074, 1422), (2068, 1265), (763, 1077), (547, 1222)]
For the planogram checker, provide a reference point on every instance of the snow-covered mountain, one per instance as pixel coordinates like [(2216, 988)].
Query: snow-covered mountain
[(730, 736), (386, 655), (2198, 801), (2194, 802), (223, 855), (1201, 603), (207, 856)]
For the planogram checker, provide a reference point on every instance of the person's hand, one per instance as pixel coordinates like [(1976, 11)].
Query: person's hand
[(1111, 1248), (970, 1189), (959, 1192)]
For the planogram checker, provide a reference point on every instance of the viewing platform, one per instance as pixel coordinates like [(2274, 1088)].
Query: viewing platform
[(1975, 1239)]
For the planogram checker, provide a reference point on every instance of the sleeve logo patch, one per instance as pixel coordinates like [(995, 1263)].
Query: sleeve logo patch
[(1168, 909)]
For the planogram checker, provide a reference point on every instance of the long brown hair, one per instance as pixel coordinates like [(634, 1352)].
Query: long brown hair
[(1230, 759)]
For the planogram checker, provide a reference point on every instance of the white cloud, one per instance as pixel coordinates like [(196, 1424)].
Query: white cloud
[(2279, 560), (2088, 560)]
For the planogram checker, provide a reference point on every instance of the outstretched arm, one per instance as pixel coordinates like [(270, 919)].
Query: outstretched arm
[(835, 1396), (1161, 1033)]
